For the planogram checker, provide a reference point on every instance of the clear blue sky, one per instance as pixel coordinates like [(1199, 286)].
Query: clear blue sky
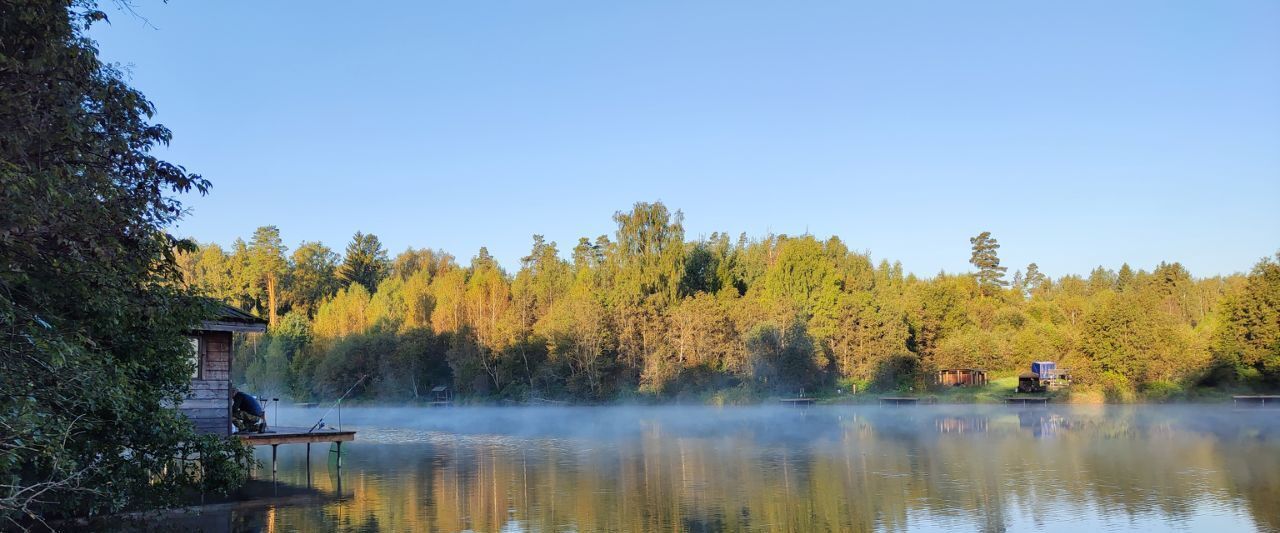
[(1078, 133)]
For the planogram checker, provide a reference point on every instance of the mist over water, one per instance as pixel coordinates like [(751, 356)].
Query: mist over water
[(849, 468)]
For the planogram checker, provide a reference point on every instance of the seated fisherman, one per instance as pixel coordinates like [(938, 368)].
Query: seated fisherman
[(246, 413)]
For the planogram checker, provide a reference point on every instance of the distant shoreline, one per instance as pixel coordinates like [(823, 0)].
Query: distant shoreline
[(862, 399)]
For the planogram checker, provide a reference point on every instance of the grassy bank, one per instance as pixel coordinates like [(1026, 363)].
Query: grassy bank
[(1002, 387)]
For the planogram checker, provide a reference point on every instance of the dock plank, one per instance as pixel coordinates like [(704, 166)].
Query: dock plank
[(287, 435), (1257, 399)]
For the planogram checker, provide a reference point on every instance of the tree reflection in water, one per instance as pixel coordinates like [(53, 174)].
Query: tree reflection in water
[(767, 469)]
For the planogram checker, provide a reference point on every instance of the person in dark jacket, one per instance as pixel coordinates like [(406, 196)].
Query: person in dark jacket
[(247, 413)]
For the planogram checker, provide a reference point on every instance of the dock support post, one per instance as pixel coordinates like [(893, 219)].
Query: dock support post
[(339, 443), (273, 460), (308, 465)]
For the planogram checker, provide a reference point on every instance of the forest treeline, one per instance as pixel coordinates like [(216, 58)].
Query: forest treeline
[(647, 313)]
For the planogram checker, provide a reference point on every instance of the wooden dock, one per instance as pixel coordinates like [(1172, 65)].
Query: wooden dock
[(798, 402), (288, 435), (899, 400), (274, 437), (1027, 400), (1257, 399)]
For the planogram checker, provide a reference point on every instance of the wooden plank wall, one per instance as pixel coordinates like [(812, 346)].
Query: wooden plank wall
[(209, 404)]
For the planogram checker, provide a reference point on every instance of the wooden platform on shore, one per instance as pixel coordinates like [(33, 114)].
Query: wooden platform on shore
[(288, 435), (899, 400), (1027, 400), (798, 401), (1257, 399)]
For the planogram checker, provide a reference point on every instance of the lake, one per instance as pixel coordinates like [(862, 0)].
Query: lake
[(838, 468)]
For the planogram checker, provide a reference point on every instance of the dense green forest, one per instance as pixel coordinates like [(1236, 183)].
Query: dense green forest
[(93, 320), (645, 313)]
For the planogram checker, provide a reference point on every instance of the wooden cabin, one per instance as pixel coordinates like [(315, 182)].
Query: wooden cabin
[(441, 395), (208, 404), (962, 377)]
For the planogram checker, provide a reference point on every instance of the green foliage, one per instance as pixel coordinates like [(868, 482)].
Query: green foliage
[(1034, 279), (578, 340), (896, 373), (271, 372), (768, 316), (267, 265), (1248, 341), (345, 314), (350, 359), (782, 360), (312, 277), (92, 311), (803, 277), (365, 263), (1124, 277), (1162, 391), (648, 259), (990, 274), (426, 260)]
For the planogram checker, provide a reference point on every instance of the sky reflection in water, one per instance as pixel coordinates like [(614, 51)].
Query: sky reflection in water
[(925, 468)]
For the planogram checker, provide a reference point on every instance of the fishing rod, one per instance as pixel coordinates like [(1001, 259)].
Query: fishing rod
[(320, 423)]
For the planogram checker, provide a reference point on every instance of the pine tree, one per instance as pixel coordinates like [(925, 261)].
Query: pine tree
[(1124, 278), (366, 262), (267, 264), (1250, 335), (990, 274), (1100, 279), (584, 254), (1034, 278)]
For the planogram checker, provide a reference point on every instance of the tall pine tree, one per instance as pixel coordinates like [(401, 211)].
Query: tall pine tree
[(267, 262), (366, 262), (990, 274), (1034, 278)]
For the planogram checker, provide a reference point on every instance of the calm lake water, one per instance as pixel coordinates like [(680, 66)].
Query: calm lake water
[(863, 468)]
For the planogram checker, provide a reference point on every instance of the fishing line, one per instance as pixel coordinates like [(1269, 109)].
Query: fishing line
[(335, 404)]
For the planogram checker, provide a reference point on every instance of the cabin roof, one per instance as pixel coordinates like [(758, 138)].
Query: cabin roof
[(439, 388), (228, 318)]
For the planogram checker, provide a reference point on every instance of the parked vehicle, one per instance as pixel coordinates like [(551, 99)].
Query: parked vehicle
[(1044, 375), (1030, 382)]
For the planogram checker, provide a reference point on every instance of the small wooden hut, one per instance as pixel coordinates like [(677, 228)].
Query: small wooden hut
[(208, 404), (441, 395), (962, 377)]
